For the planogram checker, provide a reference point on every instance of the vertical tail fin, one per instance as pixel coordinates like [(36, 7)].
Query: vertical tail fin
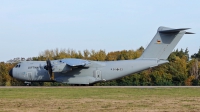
[(164, 42)]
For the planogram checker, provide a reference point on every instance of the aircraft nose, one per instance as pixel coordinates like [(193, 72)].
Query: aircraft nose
[(11, 72)]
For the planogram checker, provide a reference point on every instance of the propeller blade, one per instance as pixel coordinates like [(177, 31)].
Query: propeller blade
[(49, 68)]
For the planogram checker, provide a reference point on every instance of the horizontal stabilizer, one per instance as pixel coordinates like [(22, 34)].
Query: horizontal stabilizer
[(173, 30), (189, 33)]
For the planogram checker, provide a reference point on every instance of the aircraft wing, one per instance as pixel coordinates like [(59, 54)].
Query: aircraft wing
[(66, 65), (76, 62)]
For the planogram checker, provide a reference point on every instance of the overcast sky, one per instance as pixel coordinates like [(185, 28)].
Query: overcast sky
[(28, 27)]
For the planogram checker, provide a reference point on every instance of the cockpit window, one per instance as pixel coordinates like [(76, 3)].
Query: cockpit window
[(17, 66)]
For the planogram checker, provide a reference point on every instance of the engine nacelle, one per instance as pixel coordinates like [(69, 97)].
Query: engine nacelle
[(61, 67)]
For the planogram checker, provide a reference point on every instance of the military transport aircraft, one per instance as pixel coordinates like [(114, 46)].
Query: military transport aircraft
[(79, 71)]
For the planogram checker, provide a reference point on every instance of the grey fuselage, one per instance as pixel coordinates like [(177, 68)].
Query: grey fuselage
[(97, 71)]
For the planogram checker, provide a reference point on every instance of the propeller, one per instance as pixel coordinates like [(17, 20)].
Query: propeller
[(49, 68)]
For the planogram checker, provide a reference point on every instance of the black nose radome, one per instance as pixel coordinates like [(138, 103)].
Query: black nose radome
[(11, 72)]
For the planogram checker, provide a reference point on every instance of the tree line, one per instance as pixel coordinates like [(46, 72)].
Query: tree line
[(181, 70)]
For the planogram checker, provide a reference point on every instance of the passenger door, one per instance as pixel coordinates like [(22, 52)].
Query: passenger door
[(97, 74)]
